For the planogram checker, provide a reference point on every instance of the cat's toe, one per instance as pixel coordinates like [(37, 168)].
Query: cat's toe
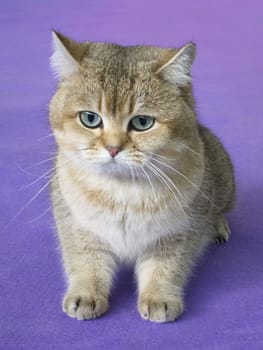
[(84, 307), (221, 239), (223, 230), (160, 310)]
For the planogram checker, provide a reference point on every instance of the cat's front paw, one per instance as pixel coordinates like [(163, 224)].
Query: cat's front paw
[(84, 307), (158, 309)]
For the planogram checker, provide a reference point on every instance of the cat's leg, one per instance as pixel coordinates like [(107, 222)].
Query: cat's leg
[(222, 229), (89, 267), (162, 274)]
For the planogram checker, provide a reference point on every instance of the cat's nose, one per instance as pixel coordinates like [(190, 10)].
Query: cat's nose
[(113, 151)]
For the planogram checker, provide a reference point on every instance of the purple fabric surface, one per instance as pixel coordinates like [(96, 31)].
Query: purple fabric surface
[(224, 308)]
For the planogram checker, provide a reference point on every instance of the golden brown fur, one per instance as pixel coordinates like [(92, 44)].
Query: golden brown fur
[(160, 201)]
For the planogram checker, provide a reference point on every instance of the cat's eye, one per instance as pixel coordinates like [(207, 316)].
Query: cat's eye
[(90, 119), (141, 123)]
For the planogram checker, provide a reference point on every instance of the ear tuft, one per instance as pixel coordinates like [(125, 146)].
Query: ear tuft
[(62, 62), (177, 69)]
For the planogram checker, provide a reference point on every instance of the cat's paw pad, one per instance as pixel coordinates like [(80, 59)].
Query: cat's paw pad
[(160, 310), (84, 307), (223, 231)]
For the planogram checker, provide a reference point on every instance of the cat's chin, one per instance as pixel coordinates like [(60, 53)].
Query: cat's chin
[(113, 169)]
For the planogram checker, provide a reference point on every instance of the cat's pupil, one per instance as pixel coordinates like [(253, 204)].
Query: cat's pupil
[(91, 118), (143, 121)]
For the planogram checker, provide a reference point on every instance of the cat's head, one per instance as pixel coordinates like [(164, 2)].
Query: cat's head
[(118, 107)]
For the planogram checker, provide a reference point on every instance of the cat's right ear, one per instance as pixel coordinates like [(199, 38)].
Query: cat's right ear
[(177, 69), (66, 56)]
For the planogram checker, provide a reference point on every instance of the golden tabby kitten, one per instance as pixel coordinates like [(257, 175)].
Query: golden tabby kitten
[(137, 178)]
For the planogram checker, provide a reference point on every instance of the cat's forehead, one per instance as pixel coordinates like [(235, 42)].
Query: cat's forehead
[(135, 54), (119, 73), (120, 60)]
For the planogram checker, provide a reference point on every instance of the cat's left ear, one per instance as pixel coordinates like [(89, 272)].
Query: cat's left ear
[(177, 69), (66, 56)]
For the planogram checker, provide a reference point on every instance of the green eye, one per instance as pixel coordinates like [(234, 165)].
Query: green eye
[(90, 119), (141, 122)]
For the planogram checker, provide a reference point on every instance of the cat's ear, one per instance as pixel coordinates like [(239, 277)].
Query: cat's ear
[(66, 56), (177, 69)]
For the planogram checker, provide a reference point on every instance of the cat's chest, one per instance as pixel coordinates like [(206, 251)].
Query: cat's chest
[(126, 217)]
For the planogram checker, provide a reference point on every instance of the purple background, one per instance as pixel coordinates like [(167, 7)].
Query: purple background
[(224, 307)]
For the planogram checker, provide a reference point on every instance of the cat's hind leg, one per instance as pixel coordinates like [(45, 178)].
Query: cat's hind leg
[(222, 230)]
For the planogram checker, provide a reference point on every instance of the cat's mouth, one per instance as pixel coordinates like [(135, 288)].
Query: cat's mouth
[(116, 163), (120, 167), (123, 163)]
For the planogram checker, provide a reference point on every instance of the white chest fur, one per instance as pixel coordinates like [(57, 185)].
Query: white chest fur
[(133, 218)]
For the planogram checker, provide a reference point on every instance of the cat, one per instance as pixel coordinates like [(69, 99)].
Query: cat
[(137, 179)]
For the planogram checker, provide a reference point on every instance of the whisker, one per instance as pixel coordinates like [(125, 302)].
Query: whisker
[(160, 156), (24, 170), (189, 148), (164, 178), (150, 182), (132, 172), (29, 202), (41, 215), (37, 180), (48, 152), (164, 183), (42, 176), (181, 143), (186, 178), (45, 137), (78, 177), (167, 178), (42, 162)]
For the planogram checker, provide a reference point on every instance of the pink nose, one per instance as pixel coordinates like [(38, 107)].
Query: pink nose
[(113, 151)]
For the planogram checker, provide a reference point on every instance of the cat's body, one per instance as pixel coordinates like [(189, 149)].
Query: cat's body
[(153, 197)]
